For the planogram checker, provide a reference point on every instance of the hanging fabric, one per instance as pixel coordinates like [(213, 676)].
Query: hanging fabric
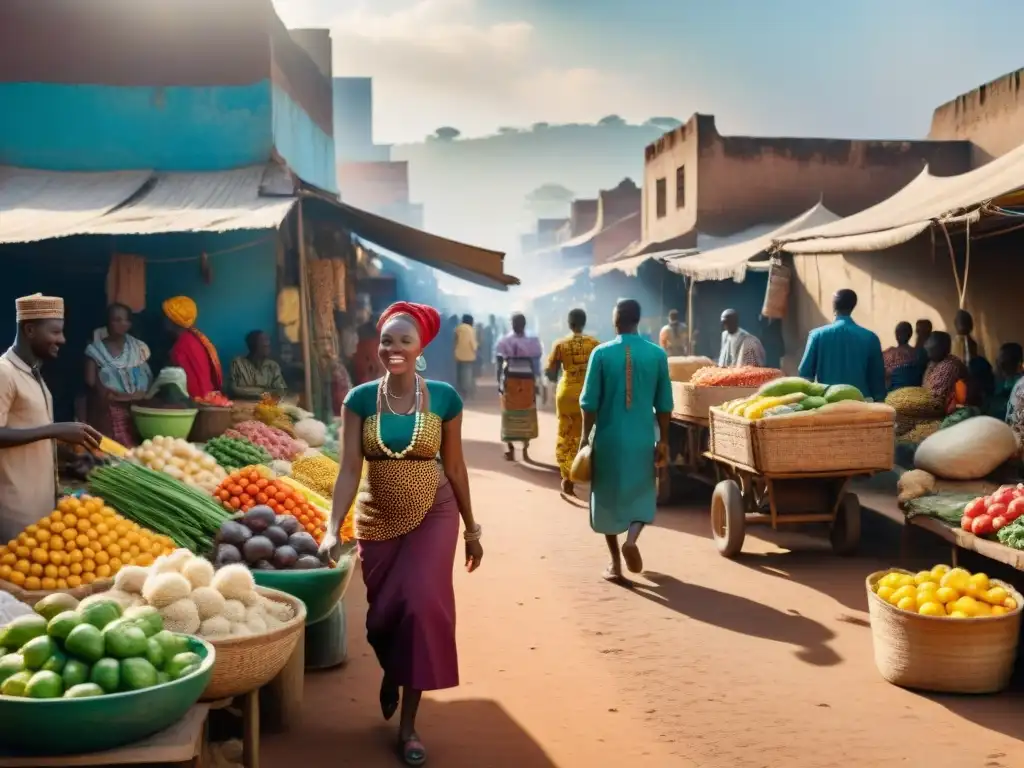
[(289, 313), (126, 281)]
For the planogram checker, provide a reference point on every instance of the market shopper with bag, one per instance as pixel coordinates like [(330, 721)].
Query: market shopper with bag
[(407, 516), (627, 404)]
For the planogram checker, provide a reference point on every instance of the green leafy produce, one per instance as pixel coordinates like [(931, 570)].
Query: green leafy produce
[(947, 507), (160, 503), (235, 453), (1012, 535)]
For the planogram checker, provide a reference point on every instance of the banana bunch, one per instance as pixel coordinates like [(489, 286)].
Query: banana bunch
[(756, 406)]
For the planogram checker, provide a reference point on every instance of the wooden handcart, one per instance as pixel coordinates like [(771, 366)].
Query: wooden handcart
[(748, 497)]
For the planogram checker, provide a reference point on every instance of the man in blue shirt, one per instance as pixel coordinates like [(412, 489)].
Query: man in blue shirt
[(845, 353)]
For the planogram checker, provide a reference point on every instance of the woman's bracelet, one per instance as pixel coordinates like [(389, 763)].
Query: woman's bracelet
[(475, 534)]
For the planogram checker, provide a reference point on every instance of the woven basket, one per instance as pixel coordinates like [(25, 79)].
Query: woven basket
[(33, 596), (247, 663), (840, 443), (211, 421), (696, 402), (931, 653)]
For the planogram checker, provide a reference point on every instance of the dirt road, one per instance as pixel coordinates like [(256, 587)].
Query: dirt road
[(755, 663)]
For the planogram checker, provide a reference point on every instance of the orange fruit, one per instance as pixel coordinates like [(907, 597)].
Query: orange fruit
[(30, 542), (22, 552), (63, 572), (88, 566), (122, 527), (5, 572), (48, 583), (74, 581), (9, 558), (104, 541), (102, 571), (102, 558), (62, 584), (88, 553), (74, 556), (83, 525), (75, 569), (70, 521), (108, 511), (95, 518), (134, 550), (40, 555), (33, 583), (57, 527), (69, 534), (57, 543), (88, 578), (121, 543), (42, 536), (115, 564), (64, 505), (35, 569), (50, 571), (92, 534), (17, 578), (82, 541), (145, 560), (23, 567), (32, 530), (102, 528), (133, 537), (114, 550), (58, 557)]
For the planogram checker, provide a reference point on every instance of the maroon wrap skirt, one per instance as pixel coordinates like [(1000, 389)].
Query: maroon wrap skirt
[(410, 621)]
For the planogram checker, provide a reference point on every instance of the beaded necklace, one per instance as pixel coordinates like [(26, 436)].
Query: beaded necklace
[(417, 426)]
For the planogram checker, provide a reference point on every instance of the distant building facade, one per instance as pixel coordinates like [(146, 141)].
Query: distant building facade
[(695, 179)]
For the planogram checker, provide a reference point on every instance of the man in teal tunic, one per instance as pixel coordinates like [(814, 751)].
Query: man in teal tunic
[(626, 403)]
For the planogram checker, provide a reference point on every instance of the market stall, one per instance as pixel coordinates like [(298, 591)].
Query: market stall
[(207, 550), (788, 453)]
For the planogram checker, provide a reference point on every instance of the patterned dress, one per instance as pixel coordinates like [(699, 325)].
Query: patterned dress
[(571, 353)]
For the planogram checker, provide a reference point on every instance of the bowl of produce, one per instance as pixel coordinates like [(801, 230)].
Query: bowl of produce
[(99, 676), (284, 557), (944, 630), (163, 422)]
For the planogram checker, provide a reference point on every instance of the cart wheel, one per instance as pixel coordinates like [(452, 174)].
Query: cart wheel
[(664, 485), (845, 534), (728, 518)]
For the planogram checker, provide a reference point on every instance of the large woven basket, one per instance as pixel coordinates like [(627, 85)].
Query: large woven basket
[(32, 596), (847, 442), (932, 653), (696, 402), (247, 663)]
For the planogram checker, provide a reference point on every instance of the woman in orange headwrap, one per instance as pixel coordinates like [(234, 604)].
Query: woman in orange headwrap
[(407, 516), (192, 351)]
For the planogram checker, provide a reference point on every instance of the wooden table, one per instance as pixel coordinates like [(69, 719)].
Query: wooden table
[(179, 745)]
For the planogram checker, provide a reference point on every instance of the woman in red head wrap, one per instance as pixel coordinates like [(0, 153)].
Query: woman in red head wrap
[(407, 515)]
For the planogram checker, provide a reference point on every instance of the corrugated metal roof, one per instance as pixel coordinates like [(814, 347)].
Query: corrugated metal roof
[(732, 261), (39, 205), (912, 210)]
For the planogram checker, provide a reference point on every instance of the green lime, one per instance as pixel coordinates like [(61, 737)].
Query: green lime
[(106, 673), (45, 685), (82, 691), (85, 642), (75, 673), (137, 674), (37, 650), (16, 684), (60, 626)]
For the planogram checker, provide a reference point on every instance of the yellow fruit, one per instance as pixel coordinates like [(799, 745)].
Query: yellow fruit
[(63, 572), (40, 555), (977, 585), (50, 571), (144, 560), (74, 581), (17, 578), (102, 558), (884, 592), (998, 610), (957, 578), (56, 558), (966, 604), (995, 596), (82, 541), (75, 569), (88, 566), (1010, 604), (102, 571), (905, 591), (33, 583), (48, 583), (959, 615), (22, 567), (932, 609), (890, 580), (984, 609), (922, 577), (907, 604), (36, 569), (927, 588), (42, 536), (88, 578)]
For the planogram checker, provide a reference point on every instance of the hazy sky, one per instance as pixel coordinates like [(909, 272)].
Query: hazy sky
[(856, 68)]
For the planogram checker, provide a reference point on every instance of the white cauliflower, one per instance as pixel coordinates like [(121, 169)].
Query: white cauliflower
[(234, 581), (130, 579), (252, 598), (199, 572), (239, 629), (234, 611), (162, 589), (281, 612), (181, 616), (215, 626), (209, 601), (256, 621)]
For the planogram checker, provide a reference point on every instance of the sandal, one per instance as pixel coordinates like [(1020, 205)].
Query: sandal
[(412, 751), (388, 698), (568, 488), (631, 554)]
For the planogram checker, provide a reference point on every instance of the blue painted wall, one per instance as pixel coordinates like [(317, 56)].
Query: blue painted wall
[(102, 128), (242, 296), (301, 142)]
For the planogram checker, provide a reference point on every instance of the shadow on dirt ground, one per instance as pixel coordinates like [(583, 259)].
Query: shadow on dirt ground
[(738, 614)]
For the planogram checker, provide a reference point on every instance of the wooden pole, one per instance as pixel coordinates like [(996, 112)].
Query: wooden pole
[(689, 315), (304, 305)]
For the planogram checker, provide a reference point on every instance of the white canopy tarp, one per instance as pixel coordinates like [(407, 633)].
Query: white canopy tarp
[(561, 283), (913, 209), (39, 205), (732, 261)]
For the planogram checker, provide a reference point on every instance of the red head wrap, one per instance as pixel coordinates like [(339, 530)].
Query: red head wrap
[(426, 318)]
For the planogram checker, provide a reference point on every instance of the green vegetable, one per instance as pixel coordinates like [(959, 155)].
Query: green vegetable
[(101, 613), (86, 643), (106, 673), (1012, 535), (147, 618), (137, 674), (124, 641), (160, 503), (58, 602), (45, 685), (56, 661), (234, 453), (171, 643), (82, 691), (60, 626), (37, 651), (16, 684), (75, 673), (11, 664), (183, 664), (23, 629)]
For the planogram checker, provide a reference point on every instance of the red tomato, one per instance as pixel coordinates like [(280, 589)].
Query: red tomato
[(975, 508), (982, 525), (1015, 509), (1004, 496), (965, 523), (998, 522)]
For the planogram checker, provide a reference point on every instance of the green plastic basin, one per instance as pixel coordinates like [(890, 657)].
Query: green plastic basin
[(319, 589), (79, 726), (163, 422)]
